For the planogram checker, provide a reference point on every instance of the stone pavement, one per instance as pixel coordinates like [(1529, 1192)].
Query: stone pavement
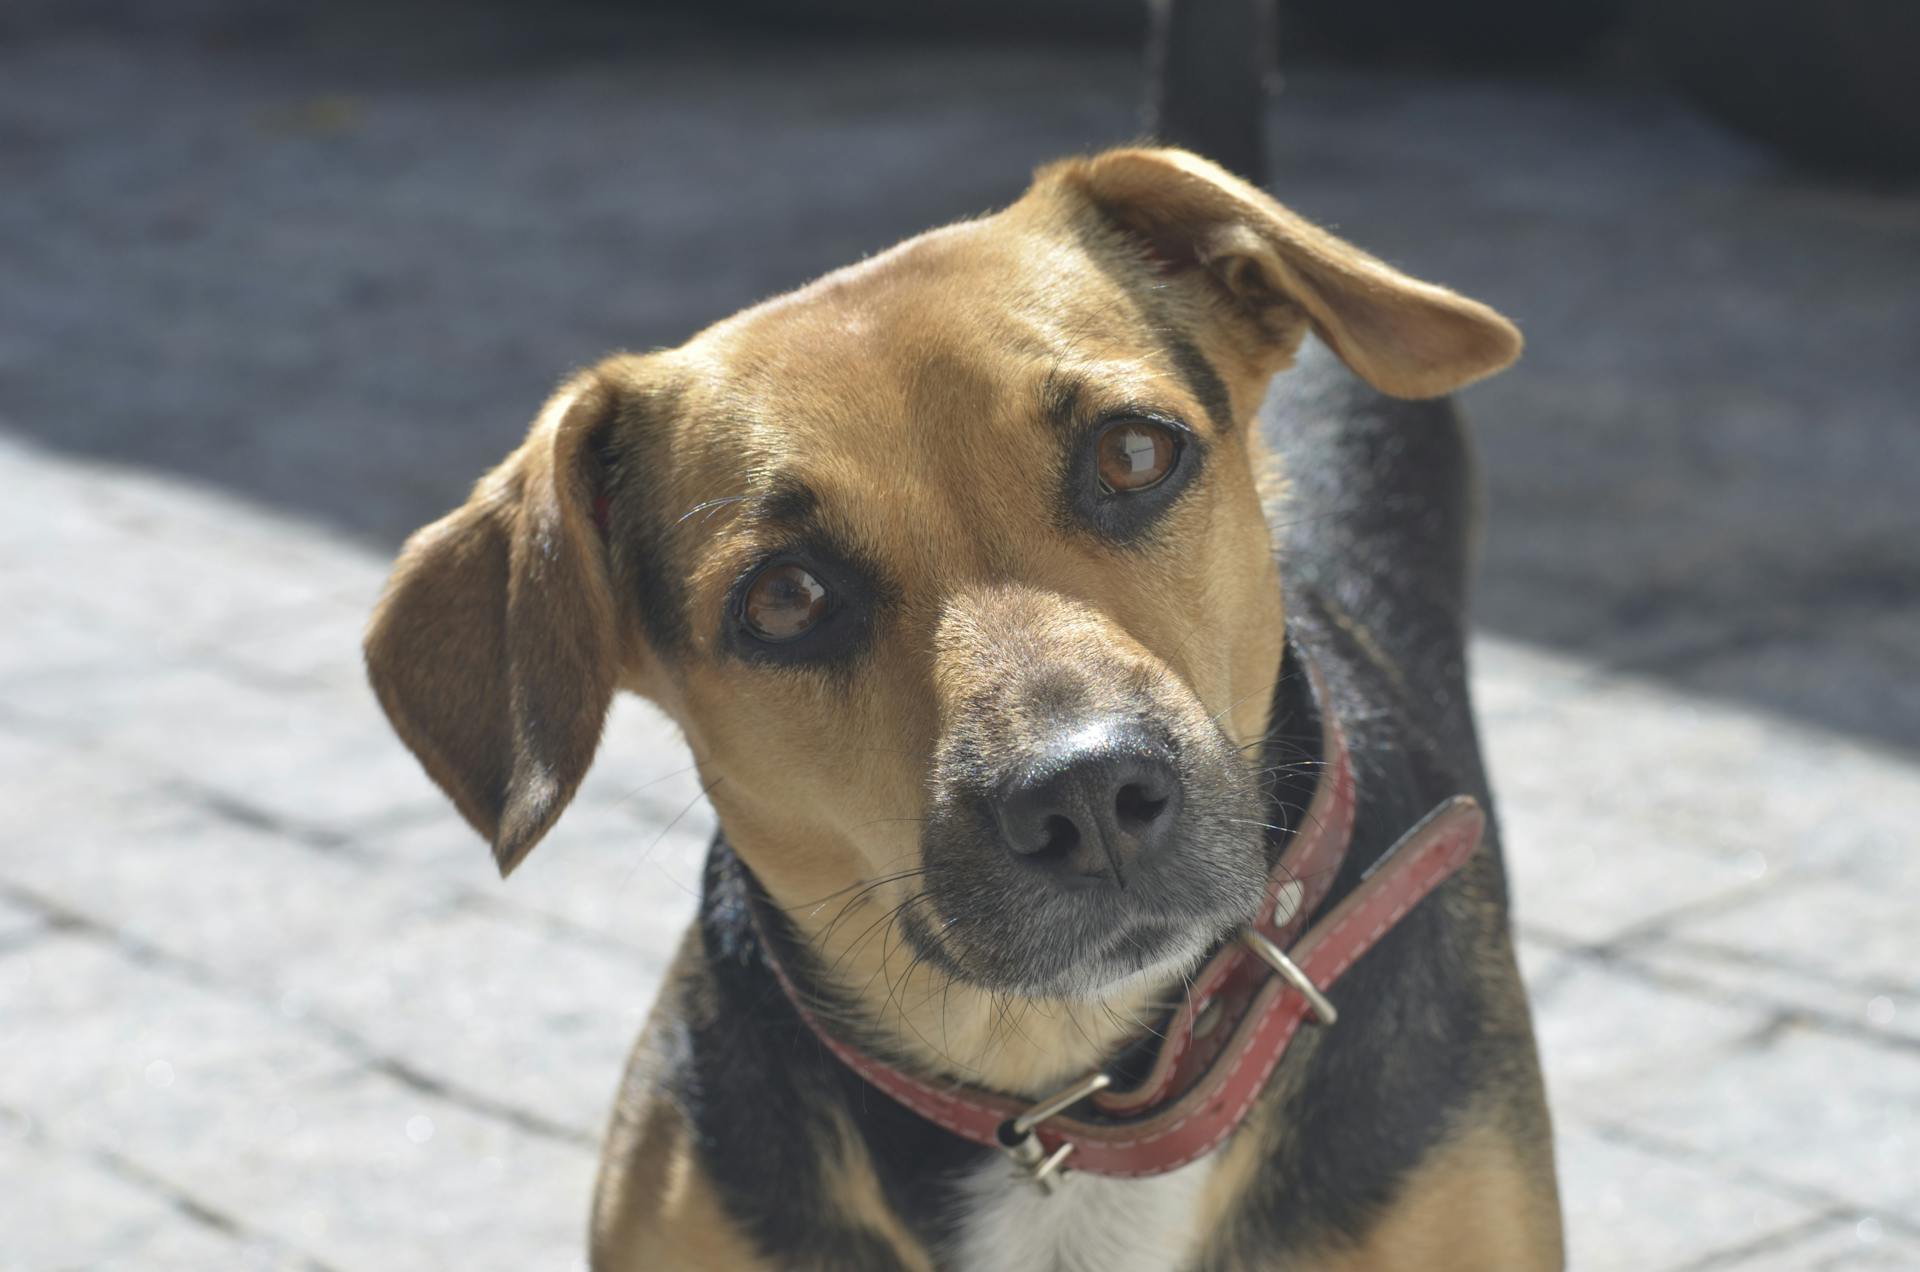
[(267, 1005), (275, 287)]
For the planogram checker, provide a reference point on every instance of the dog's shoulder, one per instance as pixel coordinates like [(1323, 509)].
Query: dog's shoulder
[(1375, 525), (656, 1205), (738, 1141), (1375, 509)]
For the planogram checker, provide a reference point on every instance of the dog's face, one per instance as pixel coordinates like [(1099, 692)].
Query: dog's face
[(990, 609), (951, 565)]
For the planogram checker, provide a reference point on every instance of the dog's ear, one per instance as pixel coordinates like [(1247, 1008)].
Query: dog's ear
[(1405, 337), (495, 647)]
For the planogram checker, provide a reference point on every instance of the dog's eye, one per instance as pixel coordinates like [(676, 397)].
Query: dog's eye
[(784, 602), (1135, 455), (1128, 472)]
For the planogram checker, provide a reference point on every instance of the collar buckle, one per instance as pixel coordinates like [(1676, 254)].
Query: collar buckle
[(1020, 1144), (1276, 958)]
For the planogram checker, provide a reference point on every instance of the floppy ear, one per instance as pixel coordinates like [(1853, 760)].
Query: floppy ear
[(494, 649), (1405, 337)]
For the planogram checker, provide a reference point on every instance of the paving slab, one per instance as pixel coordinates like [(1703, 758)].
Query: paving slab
[(1844, 1244), (611, 876), (19, 924), (532, 1021), (1853, 934), (1596, 850), (1800, 1107), (1637, 1209), (386, 959), (1777, 984), (1579, 1013), (1626, 805), (85, 1215), (257, 1116), (371, 1174)]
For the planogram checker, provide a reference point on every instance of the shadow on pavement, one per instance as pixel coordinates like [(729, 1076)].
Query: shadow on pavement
[(334, 263)]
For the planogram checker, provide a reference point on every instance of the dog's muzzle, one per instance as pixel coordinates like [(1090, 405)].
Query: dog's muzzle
[(1237, 1018)]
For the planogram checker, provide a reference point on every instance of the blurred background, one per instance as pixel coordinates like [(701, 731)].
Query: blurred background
[(278, 281)]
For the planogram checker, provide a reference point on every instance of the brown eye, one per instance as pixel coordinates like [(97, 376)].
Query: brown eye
[(1135, 455), (784, 602)]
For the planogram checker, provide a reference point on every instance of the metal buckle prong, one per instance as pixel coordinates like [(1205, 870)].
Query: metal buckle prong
[(1050, 1172), (1020, 1143), (1061, 1100), (1277, 959)]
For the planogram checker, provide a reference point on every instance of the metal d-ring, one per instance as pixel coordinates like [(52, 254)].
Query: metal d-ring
[(1276, 958), (1020, 1143)]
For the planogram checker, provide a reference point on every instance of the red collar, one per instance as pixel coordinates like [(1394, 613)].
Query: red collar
[(1244, 1007)]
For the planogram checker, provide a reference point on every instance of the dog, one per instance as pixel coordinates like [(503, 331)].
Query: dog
[(1065, 611)]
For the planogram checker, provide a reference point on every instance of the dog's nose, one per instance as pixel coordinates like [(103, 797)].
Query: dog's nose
[(1097, 801)]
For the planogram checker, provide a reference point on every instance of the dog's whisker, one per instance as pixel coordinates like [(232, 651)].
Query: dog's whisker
[(1266, 692), (839, 892), (630, 792), (867, 934), (657, 840), (826, 935), (710, 505)]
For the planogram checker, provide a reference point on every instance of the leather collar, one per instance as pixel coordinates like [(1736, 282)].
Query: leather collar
[(1244, 1008)]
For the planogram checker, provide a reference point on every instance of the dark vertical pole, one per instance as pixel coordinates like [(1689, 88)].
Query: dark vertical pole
[(1209, 61)]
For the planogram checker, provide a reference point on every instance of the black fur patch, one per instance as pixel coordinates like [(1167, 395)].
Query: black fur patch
[(1061, 398), (1202, 380), (639, 531), (1375, 539), (1381, 1086), (788, 505), (763, 1094)]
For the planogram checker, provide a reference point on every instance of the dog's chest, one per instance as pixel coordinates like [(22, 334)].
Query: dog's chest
[(1092, 1224)]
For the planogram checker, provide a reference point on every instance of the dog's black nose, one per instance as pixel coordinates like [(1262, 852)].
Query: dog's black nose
[(1092, 806)]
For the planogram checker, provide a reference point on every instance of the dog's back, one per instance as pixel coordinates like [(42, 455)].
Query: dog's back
[(1376, 516)]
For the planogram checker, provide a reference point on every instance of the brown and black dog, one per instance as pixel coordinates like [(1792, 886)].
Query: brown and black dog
[(1000, 502)]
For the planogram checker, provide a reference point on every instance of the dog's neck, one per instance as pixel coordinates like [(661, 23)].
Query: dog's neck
[(858, 976)]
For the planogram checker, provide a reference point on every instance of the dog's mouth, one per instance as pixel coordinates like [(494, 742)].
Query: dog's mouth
[(1117, 859), (1083, 942)]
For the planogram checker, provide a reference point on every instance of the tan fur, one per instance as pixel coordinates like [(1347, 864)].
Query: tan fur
[(903, 389), (1483, 1201), (670, 1217), (1473, 1206), (857, 1196), (1485, 1198), (653, 1208)]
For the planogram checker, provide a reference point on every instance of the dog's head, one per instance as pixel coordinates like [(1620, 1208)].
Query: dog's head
[(951, 565)]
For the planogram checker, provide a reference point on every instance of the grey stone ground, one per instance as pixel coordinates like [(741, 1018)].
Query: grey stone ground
[(273, 290)]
